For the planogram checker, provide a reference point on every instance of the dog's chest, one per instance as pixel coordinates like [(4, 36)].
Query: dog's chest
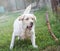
[(26, 34)]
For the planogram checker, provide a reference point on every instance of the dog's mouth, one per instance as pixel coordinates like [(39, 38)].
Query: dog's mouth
[(30, 27)]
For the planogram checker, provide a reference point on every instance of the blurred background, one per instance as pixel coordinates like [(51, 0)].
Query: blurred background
[(16, 5)]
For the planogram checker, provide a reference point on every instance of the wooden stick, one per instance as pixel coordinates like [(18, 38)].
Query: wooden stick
[(49, 28)]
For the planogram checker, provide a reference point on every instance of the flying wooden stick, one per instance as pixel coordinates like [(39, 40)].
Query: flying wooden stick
[(49, 28)]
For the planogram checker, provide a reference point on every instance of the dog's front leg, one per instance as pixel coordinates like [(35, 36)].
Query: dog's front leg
[(12, 41), (33, 40)]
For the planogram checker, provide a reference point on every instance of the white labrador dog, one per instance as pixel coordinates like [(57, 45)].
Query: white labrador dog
[(24, 27)]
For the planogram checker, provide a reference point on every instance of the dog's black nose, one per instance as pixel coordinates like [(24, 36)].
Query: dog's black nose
[(31, 23)]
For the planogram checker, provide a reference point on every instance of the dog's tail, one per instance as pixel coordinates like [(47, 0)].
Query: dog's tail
[(28, 9)]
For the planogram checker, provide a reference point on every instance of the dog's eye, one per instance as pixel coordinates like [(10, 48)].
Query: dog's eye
[(32, 18), (27, 18)]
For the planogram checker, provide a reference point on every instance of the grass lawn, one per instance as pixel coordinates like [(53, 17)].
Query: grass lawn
[(43, 38)]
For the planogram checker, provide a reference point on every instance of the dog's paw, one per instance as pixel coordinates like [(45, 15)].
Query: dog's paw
[(35, 46), (11, 47)]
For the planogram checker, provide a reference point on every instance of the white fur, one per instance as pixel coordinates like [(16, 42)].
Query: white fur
[(20, 30)]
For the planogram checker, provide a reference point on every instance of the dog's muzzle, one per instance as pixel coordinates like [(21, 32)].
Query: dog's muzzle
[(31, 25)]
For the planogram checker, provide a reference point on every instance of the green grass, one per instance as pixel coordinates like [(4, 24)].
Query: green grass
[(43, 38)]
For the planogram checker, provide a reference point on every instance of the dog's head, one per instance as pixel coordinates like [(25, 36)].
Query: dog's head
[(28, 20)]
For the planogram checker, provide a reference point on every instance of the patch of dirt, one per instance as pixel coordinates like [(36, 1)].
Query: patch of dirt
[(52, 48)]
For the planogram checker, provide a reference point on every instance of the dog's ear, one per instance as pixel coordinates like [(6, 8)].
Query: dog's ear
[(21, 17), (34, 17)]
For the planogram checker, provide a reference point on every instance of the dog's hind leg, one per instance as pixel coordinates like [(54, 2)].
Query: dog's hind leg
[(12, 41)]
